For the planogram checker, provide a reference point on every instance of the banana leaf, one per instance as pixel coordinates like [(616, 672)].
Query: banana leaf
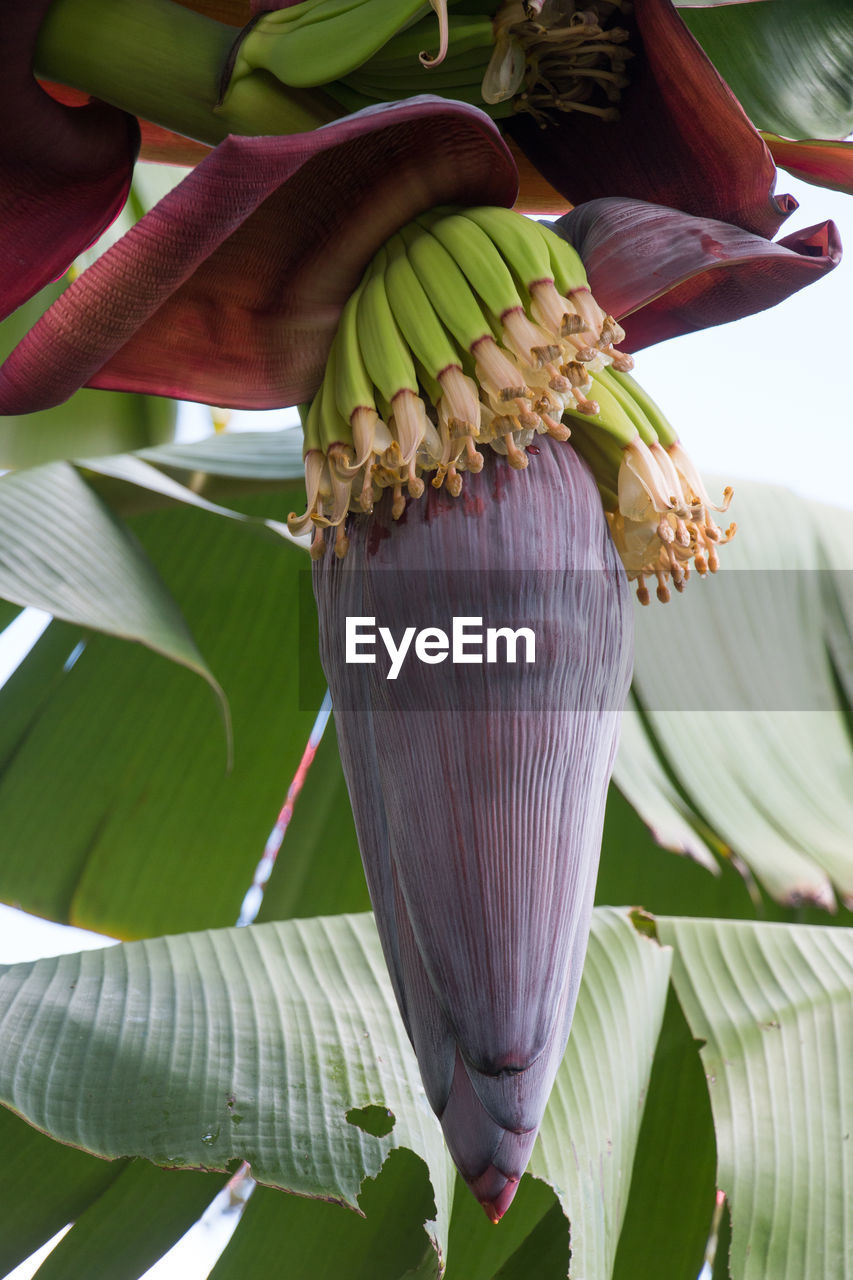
[(209, 1044), (787, 62)]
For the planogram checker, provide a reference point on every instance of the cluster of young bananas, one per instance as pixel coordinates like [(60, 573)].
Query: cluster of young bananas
[(658, 509), (477, 327), (537, 56), (316, 42)]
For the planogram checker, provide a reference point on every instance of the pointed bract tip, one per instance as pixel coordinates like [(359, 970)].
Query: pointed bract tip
[(495, 1192)]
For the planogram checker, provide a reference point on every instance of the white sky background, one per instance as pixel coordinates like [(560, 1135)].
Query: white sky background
[(767, 398)]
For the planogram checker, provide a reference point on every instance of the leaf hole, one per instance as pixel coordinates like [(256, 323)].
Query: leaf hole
[(644, 923), (375, 1120)]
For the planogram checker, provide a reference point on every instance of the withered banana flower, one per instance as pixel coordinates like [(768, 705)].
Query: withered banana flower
[(681, 138), (478, 791)]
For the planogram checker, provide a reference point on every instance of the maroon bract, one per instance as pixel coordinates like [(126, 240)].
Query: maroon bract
[(478, 790), (705, 272), (158, 145), (64, 172), (682, 139), (229, 290)]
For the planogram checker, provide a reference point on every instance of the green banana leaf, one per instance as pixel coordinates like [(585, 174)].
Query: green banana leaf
[(265, 1043), (209, 1045), (268, 457), (63, 551), (771, 1007), (69, 1181), (8, 613), (675, 1164), (534, 1243), (787, 61), (736, 692), (131, 1224), (136, 759), (321, 1239)]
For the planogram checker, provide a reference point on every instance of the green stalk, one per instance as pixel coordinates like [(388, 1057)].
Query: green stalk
[(165, 63)]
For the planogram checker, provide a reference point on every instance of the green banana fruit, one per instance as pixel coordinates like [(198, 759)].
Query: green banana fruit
[(387, 359), (518, 240), (470, 40), (652, 411), (414, 313), (611, 418), (606, 383), (389, 363), (354, 390), (319, 41), (480, 262), (566, 263), (456, 401), (446, 286)]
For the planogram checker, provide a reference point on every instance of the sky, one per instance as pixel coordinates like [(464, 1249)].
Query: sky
[(766, 398)]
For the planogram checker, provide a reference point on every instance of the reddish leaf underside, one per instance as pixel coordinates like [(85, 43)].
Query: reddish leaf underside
[(823, 162), (159, 145)]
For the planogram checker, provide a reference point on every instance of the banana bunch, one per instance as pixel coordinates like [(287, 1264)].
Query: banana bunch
[(318, 41), (474, 328)]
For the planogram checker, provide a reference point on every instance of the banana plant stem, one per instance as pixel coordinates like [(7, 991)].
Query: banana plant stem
[(165, 63)]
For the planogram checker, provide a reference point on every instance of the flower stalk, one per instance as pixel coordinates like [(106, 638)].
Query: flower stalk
[(134, 54)]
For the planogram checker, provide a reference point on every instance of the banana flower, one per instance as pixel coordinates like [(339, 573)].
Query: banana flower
[(478, 799)]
